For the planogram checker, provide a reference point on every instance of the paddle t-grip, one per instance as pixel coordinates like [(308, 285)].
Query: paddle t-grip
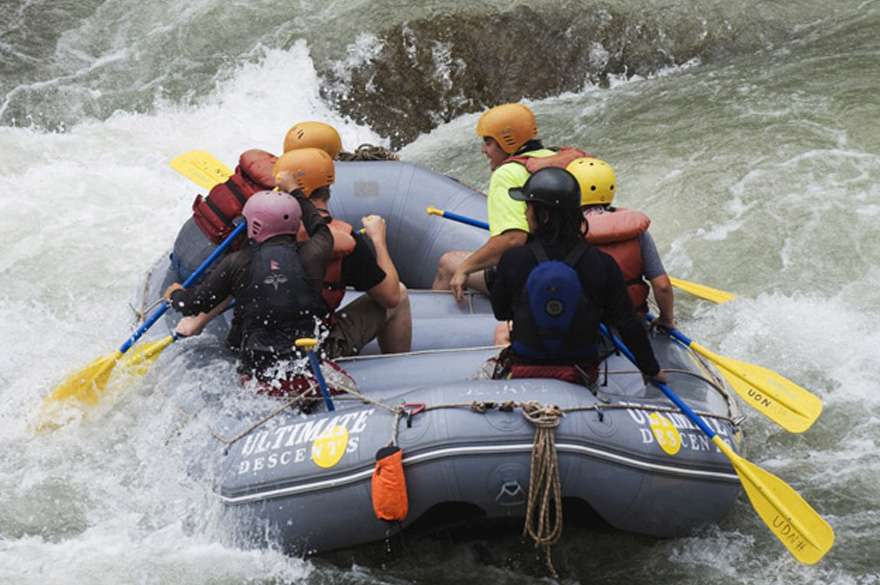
[(309, 344), (456, 217)]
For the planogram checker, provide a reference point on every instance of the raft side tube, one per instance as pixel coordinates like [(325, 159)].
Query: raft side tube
[(400, 192), (459, 455)]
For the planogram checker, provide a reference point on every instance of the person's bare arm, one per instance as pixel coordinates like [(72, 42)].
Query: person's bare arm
[(386, 293), (487, 255), (665, 298), (191, 326)]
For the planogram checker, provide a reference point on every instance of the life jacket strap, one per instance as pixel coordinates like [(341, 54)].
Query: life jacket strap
[(218, 212), (574, 256), (236, 190)]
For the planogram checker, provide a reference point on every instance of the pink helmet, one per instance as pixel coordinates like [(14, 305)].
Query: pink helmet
[(271, 213)]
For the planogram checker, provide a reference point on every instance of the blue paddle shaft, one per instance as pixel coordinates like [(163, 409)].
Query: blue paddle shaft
[(618, 343), (157, 314), (678, 335), (316, 369), (465, 219)]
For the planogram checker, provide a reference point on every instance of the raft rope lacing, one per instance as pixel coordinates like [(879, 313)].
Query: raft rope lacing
[(478, 406), (145, 308)]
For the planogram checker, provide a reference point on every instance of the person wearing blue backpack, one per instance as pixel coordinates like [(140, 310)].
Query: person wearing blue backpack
[(557, 289)]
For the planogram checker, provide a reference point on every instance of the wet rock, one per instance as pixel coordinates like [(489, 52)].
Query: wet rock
[(415, 76)]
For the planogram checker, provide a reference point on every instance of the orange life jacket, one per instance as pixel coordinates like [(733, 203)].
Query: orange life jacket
[(214, 213), (563, 157), (617, 234), (343, 244)]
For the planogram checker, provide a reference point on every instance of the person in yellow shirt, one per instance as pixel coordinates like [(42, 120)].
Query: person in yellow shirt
[(510, 143)]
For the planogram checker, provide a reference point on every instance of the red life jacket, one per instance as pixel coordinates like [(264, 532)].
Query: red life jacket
[(343, 245), (617, 234), (563, 157), (214, 213)]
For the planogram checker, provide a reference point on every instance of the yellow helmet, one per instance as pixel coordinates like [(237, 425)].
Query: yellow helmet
[(313, 135), (596, 179), (310, 168), (511, 125)]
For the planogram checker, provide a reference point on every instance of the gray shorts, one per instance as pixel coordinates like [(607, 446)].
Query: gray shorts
[(354, 326)]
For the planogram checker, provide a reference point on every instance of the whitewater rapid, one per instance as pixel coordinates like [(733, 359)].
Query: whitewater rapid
[(760, 170)]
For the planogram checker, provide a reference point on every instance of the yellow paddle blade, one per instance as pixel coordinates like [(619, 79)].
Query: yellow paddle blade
[(86, 384), (701, 290), (790, 406), (792, 520), (200, 167), (137, 361), (83, 387)]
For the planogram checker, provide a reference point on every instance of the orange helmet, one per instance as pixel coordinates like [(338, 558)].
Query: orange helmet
[(310, 168), (313, 135), (511, 125)]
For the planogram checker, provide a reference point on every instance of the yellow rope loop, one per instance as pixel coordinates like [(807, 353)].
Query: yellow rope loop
[(481, 406), (542, 416), (399, 413), (544, 511)]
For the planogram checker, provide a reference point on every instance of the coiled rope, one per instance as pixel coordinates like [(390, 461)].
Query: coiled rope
[(543, 521)]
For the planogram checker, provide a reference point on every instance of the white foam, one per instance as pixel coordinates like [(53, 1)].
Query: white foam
[(120, 551), (85, 212), (82, 215)]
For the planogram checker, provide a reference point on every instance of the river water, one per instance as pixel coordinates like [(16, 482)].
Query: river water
[(749, 131)]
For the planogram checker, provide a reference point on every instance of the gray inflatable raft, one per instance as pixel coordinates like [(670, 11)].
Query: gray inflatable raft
[(303, 481)]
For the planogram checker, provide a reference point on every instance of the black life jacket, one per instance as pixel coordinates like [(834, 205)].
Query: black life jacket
[(277, 305), (553, 316)]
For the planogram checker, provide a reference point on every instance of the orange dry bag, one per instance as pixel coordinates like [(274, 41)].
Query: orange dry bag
[(389, 485)]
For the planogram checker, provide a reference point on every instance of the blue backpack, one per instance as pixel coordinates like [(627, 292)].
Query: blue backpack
[(544, 325)]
